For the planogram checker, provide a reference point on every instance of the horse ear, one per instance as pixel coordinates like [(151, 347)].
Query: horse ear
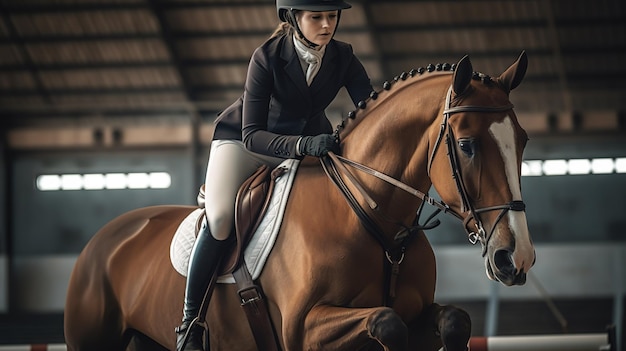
[(513, 76), (462, 75)]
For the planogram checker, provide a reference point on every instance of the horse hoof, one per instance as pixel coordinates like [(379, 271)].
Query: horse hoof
[(387, 328), (455, 327)]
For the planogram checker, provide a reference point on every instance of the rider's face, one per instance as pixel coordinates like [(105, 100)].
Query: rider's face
[(318, 27)]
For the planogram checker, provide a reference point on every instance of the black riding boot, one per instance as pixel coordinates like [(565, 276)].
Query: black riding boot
[(205, 256)]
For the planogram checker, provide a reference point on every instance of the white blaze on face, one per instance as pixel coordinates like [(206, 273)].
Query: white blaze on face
[(504, 135)]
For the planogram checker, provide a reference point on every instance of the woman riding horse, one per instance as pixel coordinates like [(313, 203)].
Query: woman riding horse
[(358, 272), (292, 78)]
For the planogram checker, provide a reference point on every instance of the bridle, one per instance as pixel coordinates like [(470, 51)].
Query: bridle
[(334, 165), (467, 205)]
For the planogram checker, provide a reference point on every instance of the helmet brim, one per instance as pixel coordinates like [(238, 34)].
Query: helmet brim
[(336, 5), (318, 8)]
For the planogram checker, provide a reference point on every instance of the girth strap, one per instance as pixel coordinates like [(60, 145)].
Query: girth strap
[(255, 307)]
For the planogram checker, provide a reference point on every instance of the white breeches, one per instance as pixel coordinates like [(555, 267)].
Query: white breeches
[(230, 164)]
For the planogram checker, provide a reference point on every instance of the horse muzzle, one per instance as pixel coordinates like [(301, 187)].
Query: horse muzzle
[(509, 252), (501, 267)]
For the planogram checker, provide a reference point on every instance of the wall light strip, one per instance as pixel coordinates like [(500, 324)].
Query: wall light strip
[(163, 180), (102, 181), (573, 166)]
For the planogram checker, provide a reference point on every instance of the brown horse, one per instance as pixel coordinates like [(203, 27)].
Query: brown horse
[(341, 276)]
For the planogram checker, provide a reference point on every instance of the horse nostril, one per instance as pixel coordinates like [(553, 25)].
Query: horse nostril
[(503, 262)]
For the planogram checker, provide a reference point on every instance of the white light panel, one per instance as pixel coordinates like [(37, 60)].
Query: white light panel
[(101, 181)]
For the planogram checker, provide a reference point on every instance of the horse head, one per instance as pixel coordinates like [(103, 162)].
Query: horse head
[(475, 166)]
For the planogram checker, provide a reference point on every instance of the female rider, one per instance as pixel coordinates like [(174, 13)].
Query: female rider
[(291, 80)]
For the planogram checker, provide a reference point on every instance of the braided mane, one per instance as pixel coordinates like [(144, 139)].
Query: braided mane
[(388, 85)]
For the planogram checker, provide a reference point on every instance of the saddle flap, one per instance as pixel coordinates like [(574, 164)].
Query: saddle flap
[(251, 197), (252, 201)]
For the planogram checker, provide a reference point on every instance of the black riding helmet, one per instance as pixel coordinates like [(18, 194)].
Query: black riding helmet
[(285, 10)]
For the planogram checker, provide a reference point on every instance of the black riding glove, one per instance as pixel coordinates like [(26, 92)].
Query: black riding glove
[(318, 145)]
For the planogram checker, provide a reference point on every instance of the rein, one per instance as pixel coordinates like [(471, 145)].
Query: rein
[(394, 253), (441, 206), (334, 166)]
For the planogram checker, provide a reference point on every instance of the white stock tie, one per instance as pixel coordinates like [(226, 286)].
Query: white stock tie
[(312, 57)]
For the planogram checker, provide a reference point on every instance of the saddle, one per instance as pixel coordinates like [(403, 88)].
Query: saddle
[(251, 204)]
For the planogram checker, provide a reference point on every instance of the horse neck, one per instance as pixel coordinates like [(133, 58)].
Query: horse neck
[(391, 136)]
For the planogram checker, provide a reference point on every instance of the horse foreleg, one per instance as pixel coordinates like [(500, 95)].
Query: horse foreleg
[(341, 328), (447, 325)]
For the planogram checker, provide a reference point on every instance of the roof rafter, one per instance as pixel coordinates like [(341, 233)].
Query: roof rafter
[(23, 52), (169, 39)]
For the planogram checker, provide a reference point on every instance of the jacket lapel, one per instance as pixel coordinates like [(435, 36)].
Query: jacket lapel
[(327, 69), (293, 67)]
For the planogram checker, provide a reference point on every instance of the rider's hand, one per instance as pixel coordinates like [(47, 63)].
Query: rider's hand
[(318, 145)]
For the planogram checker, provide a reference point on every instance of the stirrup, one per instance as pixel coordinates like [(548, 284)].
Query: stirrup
[(194, 322)]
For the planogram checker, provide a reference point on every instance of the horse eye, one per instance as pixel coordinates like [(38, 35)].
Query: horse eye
[(468, 146)]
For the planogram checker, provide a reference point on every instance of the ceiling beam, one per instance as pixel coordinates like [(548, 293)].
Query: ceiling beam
[(373, 32), (56, 7), (19, 45), (558, 57), (169, 40)]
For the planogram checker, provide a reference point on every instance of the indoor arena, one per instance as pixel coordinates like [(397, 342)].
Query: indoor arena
[(494, 132)]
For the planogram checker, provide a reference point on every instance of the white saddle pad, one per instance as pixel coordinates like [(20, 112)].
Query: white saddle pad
[(262, 240)]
